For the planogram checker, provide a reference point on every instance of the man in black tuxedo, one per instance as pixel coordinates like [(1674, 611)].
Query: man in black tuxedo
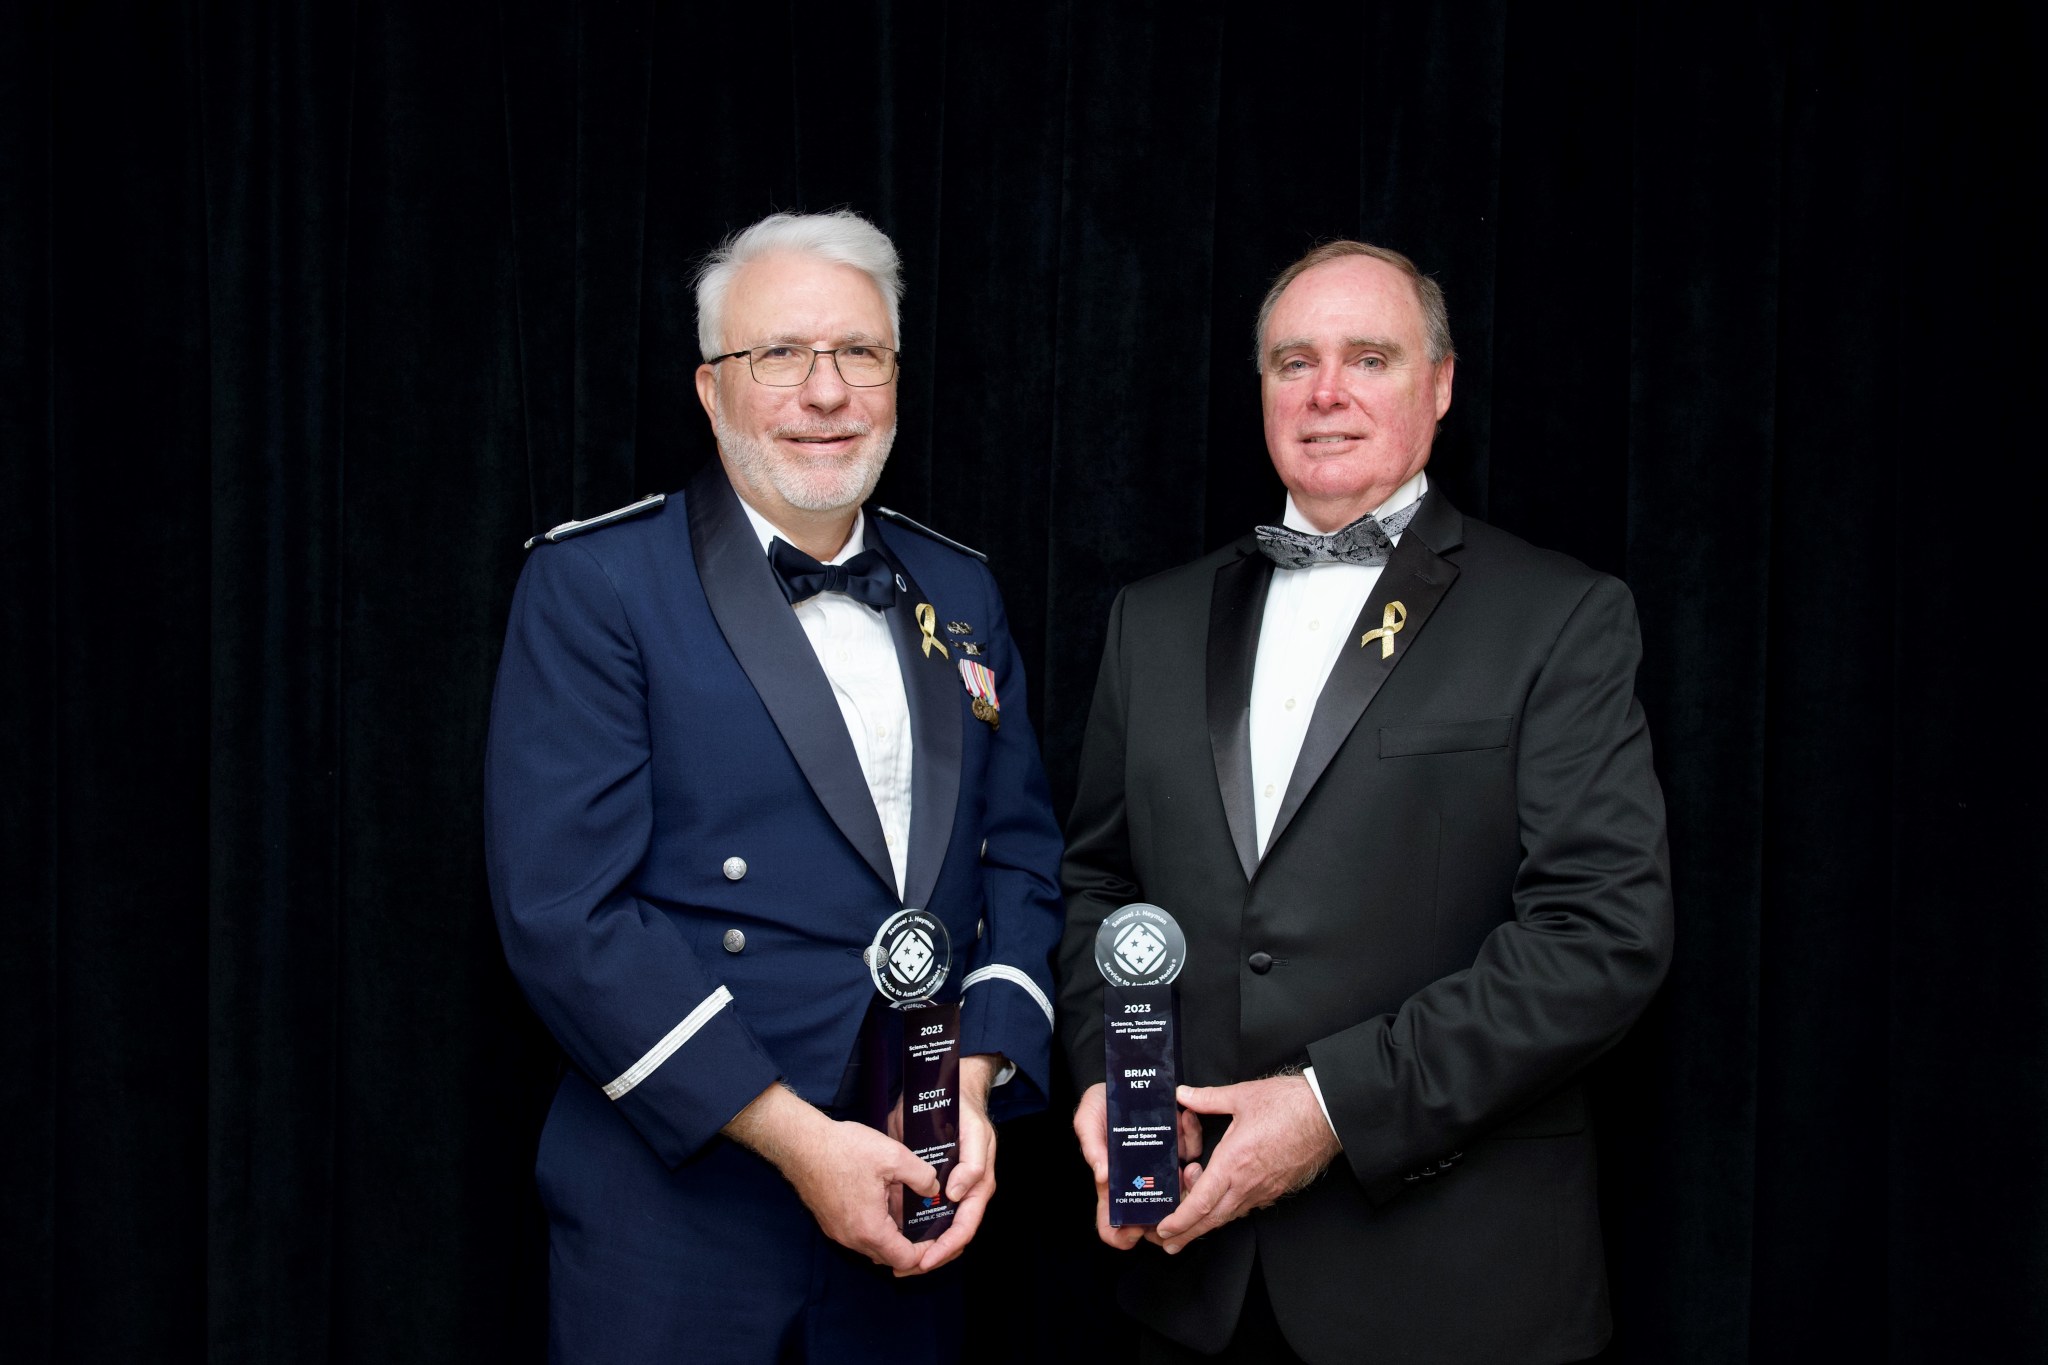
[(1386, 767)]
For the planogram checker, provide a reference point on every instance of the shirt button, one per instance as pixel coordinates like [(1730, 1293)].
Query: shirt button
[(881, 732), (1260, 963), (735, 868), (735, 941), (1316, 624), (1269, 789), (1290, 703)]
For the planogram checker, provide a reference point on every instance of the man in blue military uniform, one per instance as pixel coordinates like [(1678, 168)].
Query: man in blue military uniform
[(734, 732)]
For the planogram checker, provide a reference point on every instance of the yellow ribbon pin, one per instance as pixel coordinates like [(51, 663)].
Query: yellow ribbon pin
[(928, 622), (1391, 621)]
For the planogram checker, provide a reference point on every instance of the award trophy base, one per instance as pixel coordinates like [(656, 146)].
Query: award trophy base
[(1141, 1045), (931, 1110), (911, 1056)]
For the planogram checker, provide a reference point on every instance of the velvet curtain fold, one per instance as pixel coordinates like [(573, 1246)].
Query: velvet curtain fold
[(311, 312)]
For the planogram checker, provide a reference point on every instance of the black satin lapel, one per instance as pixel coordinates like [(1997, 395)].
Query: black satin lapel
[(771, 647), (933, 686), (1417, 577), (1237, 606)]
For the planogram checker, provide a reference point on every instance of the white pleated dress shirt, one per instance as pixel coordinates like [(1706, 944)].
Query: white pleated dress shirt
[(854, 648), (1308, 620)]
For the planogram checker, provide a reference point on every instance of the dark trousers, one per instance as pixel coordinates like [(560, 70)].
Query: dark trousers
[(716, 1262), (1257, 1341)]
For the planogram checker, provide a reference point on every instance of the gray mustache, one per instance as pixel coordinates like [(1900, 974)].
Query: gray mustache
[(827, 433)]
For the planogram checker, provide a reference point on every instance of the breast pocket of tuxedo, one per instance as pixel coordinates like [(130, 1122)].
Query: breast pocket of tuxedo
[(1446, 737)]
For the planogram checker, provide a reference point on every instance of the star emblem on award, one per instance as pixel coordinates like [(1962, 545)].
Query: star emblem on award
[(909, 957)]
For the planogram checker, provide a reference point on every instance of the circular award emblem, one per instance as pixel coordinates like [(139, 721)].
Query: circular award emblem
[(1140, 945), (909, 957)]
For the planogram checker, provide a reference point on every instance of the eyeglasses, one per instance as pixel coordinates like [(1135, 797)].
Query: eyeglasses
[(785, 366)]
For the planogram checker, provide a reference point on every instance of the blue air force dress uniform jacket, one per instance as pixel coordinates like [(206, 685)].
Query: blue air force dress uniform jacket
[(686, 866)]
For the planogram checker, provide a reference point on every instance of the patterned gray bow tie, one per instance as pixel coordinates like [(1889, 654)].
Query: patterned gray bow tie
[(1368, 540)]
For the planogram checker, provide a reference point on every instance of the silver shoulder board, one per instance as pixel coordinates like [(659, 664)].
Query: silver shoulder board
[(577, 528), (925, 530)]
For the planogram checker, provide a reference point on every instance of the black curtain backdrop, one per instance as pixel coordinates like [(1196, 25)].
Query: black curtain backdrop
[(311, 312)]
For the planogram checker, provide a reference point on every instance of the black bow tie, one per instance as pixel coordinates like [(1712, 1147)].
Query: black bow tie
[(865, 578), (1369, 540)]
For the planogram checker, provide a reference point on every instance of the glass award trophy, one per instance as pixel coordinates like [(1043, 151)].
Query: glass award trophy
[(1140, 950), (909, 960)]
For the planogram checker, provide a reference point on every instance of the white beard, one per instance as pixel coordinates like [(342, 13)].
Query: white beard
[(826, 484)]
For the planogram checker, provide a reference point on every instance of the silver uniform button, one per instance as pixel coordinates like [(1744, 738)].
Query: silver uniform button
[(980, 927), (735, 868), (734, 939)]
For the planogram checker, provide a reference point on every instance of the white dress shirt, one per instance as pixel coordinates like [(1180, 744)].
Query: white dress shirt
[(854, 648), (1308, 620)]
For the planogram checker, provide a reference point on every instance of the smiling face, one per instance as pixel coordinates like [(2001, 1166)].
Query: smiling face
[(1350, 395), (817, 448)]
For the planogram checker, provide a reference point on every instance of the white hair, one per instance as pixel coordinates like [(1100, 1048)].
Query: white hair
[(842, 237)]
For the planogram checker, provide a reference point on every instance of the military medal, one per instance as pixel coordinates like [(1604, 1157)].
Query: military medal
[(981, 685)]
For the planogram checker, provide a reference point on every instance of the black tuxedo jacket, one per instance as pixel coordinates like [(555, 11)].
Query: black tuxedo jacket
[(1465, 899)]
